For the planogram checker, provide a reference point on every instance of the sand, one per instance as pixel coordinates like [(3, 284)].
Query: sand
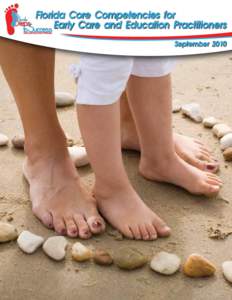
[(203, 79)]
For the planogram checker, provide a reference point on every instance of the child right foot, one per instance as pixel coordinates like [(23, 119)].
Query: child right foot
[(124, 210)]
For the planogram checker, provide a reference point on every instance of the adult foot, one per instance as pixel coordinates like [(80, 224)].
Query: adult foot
[(195, 153), (189, 149), (176, 171), (59, 198), (124, 210)]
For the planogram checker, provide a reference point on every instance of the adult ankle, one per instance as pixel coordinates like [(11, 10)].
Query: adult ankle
[(45, 145)]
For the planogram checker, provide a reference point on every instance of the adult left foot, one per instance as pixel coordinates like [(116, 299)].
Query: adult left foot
[(189, 149)]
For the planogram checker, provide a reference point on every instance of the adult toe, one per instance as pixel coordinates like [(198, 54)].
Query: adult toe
[(59, 225), (96, 224), (44, 216), (72, 230), (83, 228)]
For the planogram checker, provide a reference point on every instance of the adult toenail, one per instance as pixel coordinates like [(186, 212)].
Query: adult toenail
[(74, 231), (210, 167), (97, 224)]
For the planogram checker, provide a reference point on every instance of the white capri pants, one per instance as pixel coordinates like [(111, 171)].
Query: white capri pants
[(102, 79)]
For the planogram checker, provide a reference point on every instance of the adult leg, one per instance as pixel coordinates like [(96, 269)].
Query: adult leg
[(189, 149), (59, 199), (150, 101)]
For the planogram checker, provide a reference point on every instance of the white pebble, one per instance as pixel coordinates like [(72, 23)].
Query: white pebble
[(165, 263), (18, 141), (226, 141), (221, 130), (64, 99), (210, 122), (7, 232), (3, 140), (79, 156), (193, 111), (55, 247), (80, 252), (227, 270), (29, 242), (176, 107)]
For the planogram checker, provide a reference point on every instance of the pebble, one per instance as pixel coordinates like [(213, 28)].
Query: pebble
[(129, 258), (64, 99), (210, 122), (165, 263), (193, 111), (55, 247), (79, 156), (18, 141), (3, 140), (198, 266), (220, 130), (176, 108), (81, 253), (103, 258), (226, 141), (228, 154), (29, 242), (227, 270), (7, 232)]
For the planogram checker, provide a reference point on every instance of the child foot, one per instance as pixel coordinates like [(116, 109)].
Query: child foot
[(189, 149), (60, 200), (176, 171), (11, 15), (125, 211)]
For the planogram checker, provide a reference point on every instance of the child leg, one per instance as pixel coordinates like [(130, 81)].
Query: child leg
[(58, 197), (100, 127), (150, 101)]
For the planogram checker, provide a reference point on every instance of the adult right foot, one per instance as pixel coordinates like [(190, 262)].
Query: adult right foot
[(59, 198), (176, 171), (124, 210)]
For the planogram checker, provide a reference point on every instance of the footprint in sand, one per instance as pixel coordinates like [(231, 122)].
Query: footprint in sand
[(12, 17)]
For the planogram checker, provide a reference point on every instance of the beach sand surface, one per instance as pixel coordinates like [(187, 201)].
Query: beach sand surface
[(203, 79)]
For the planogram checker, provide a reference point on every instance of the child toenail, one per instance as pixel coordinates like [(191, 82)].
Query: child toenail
[(166, 228)]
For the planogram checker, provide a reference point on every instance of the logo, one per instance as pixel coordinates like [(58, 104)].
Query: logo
[(12, 18)]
